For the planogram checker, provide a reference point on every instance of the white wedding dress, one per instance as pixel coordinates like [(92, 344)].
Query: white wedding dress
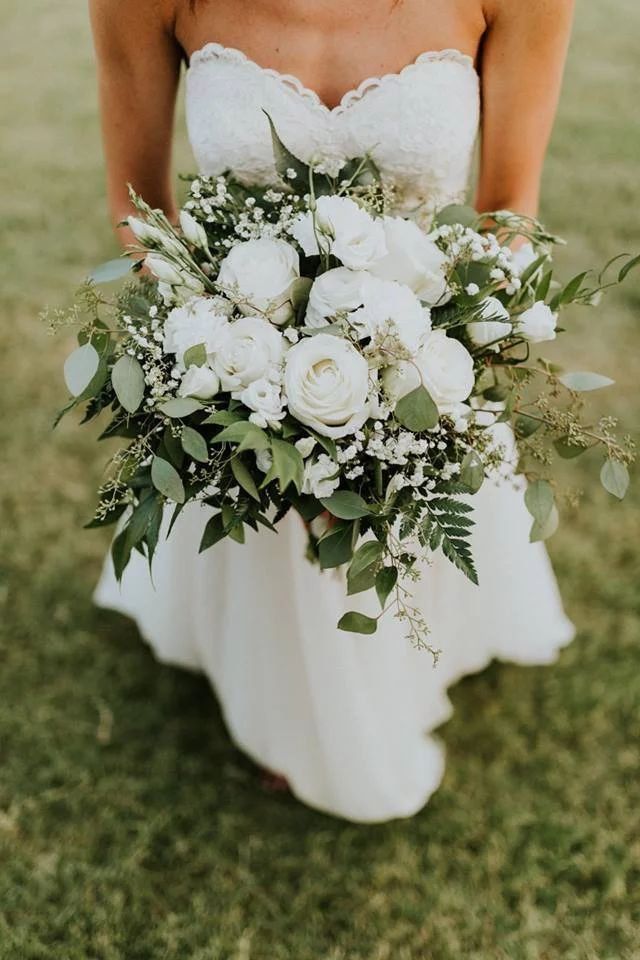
[(346, 718)]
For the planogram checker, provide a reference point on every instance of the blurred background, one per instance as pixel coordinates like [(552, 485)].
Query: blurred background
[(129, 825)]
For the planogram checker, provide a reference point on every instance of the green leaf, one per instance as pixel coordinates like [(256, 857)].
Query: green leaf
[(614, 477), (244, 478), (80, 367), (567, 450), (224, 418), (367, 554), (173, 447), (533, 268), (472, 471), (120, 554), (365, 580), (195, 356), (127, 378), (287, 466), (300, 290), (538, 499), (195, 445), (456, 213), (213, 532), (416, 411), (346, 505), (354, 622), (246, 434), (112, 270), (386, 579), (568, 294), (526, 426), (166, 479), (180, 407), (542, 531), (336, 547), (584, 381), (630, 265), (285, 160)]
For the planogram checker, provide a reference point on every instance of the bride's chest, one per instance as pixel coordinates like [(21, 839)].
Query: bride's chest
[(419, 124)]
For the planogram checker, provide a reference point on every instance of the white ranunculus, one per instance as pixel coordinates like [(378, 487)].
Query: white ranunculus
[(193, 231), (326, 383), (343, 229), (335, 291), (320, 476), (494, 323), (260, 274), (249, 349), (414, 259), (391, 307), (538, 323), (264, 398), (199, 320), (443, 365), (199, 382)]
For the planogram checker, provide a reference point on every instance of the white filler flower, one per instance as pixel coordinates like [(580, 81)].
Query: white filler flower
[(443, 365), (343, 229), (390, 307), (326, 383), (250, 349), (538, 323), (414, 259), (259, 274), (495, 323)]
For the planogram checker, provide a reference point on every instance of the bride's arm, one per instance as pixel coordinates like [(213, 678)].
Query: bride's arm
[(522, 63), (138, 72)]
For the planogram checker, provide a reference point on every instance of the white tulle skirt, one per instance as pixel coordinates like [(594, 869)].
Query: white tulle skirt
[(347, 719)]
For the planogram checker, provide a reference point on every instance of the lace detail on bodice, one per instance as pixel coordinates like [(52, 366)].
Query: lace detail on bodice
[(419, 124)]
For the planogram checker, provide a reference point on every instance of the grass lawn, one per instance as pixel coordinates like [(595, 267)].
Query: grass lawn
[(129, 825)]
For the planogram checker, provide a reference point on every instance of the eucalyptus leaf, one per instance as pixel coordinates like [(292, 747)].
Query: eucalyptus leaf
[(346, 505), (416, 411), (367, 554), (456, 213), (285, 160), (80, 367), (111, 270), (365, 580), (213, 532), (166, 479), (583, 381), (538, 499), (127, 378), (195, 356), (354, 622), (179, 407), (224, 418), (567, 450), (630, 265), (195, 445), (472, 471), (614, 477), (547, 528), (526, 426)]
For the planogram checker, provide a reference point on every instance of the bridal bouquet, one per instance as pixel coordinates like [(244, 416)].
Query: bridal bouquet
[(300, 347)]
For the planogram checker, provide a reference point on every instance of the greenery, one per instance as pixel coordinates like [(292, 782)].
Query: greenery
[(130, 827)]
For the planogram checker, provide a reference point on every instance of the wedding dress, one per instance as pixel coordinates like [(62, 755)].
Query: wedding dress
[(346, 718)]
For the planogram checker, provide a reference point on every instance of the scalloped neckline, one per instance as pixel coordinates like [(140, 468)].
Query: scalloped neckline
[(219, 50)]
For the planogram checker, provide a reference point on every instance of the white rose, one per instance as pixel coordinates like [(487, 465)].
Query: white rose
[(495, 323), (538, 323), (193, 231), (261, 274), (265, 399), (248, 349), (385, 305), (304, 446), (326, 382), (199, 320), (199, 382), (443, 365), (343, 229), (333, 292), (523, 257), (320, 477), (414, 259)]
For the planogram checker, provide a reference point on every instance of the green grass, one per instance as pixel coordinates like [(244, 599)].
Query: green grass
[(129, 825)]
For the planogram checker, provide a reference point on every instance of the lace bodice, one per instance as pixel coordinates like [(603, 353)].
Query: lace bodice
[(419, 124)]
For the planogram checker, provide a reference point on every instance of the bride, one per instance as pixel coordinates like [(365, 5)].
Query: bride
[(346, 719)]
